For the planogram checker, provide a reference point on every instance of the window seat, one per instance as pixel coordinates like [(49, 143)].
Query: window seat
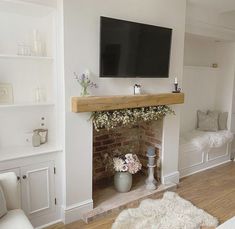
[(202, 140), (200, 150)]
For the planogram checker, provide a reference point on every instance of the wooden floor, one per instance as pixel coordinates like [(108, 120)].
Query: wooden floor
[(212, 190)]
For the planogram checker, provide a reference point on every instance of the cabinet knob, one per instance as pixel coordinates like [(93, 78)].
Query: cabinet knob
[(18, 178), (24, 177)]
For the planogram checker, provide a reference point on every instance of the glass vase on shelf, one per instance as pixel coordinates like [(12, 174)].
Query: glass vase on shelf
[(85, 82), (84, 91)]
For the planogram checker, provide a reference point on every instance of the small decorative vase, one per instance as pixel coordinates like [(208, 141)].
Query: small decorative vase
[(84, 91), (123, 181), (36, 139)]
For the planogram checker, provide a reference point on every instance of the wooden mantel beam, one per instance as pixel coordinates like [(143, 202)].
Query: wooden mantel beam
[(116, 102)]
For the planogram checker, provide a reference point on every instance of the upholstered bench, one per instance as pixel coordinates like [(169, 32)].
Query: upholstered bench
[(200, 150)]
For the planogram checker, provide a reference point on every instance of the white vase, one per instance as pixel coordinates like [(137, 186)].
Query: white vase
[(123, 181), (36, 139)]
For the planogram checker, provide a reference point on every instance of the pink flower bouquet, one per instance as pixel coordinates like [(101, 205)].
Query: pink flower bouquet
[(128, 163)]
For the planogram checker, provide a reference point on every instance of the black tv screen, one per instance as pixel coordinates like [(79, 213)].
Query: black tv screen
[(129, 49)]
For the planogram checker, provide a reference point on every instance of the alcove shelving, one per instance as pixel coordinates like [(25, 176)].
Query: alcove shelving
[(29, 100), (7, 56), (28, 64), (22, 105)]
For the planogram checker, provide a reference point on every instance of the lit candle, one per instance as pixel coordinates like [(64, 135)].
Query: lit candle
[(176, 80)]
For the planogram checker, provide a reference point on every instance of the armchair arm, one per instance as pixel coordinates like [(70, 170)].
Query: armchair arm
[(11, 189)]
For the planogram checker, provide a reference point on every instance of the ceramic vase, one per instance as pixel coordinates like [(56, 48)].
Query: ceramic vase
[(123, 181)]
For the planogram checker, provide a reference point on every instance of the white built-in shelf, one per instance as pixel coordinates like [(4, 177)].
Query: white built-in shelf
[(201, 67), (22, 105), (17, 152), (6, 56), (27, 8)]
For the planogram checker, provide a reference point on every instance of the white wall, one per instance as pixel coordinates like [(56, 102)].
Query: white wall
[(225, 86), (81, 43), (199, 51), (199, 86)]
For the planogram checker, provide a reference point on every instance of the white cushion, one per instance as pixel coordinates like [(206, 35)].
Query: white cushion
[(3, 206), (15, 219), (10, 188)]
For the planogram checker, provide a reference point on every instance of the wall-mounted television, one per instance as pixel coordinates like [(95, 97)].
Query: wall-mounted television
[(129, 49)]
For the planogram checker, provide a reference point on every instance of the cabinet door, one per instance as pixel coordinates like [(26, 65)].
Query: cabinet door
[(37, 185)]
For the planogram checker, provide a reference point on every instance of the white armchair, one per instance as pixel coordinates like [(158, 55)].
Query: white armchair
[(15, 217)]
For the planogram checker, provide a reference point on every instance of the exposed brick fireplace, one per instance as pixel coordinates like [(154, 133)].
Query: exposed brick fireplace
[(137, 138)]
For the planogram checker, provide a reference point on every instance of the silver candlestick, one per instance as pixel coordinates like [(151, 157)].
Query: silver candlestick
[(151, 183)]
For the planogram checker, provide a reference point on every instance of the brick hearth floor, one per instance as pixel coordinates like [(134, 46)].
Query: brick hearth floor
[(108, 200)]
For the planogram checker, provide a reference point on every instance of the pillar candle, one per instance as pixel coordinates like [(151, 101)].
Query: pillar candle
[(151, 151), (176, 80)]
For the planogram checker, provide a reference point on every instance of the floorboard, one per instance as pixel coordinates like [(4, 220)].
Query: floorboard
[(212, 190)]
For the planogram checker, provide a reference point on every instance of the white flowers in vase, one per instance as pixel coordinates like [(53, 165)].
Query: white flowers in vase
[(128, 163)]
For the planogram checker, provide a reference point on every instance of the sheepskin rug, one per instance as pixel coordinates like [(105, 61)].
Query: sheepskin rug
[(170, 212)]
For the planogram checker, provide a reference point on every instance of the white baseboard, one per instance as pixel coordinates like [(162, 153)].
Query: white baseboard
[(171, 178), (203, 169), (75, 212), (49, 224), (44, 220)]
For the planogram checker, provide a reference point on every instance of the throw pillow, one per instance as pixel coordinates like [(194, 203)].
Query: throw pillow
[(208, 121), (3, 206), (222, 120), (223, 117)]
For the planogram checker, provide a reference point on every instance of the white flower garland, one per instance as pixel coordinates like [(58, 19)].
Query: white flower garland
[(125, 117)]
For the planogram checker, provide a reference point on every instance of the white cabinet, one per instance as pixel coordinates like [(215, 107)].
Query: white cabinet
[(37, 188), (41, 187)]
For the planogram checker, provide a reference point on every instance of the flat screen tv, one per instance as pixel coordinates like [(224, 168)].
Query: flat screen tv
[(129, 49)]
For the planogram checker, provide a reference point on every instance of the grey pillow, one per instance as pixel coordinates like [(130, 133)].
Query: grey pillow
[(3, 206), (222, 120), (223, 117), (208, 121)]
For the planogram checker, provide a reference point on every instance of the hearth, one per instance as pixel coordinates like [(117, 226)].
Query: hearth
[(107, 200)]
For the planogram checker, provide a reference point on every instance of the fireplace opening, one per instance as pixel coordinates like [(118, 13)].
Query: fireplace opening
[(135, 139)]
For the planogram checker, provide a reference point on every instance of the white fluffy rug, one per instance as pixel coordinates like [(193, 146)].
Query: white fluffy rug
[(170, 212)]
